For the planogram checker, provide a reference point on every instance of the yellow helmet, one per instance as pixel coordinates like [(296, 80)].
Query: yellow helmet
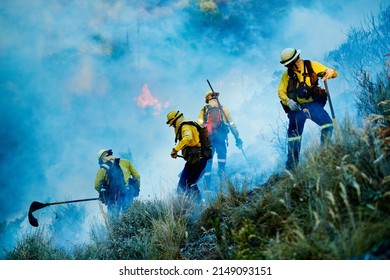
[(102, 151), (210, 95), (173, 116), (288, 55)]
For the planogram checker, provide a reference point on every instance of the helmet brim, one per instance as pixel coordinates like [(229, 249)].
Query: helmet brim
[(172, 121), (211, 95), (291, 59)]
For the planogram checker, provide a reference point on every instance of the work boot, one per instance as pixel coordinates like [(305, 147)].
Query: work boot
[(194, 192), (207, 181), (294, 148), (326, 135)]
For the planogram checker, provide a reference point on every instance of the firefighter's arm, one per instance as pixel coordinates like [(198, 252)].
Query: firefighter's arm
[(201, 117), (187, 137), (233, 127), (134, 173), (229, 121), (326, 72), (100, 179), (282, 88)]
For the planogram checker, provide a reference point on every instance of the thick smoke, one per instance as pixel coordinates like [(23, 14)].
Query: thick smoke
[(79, 76)]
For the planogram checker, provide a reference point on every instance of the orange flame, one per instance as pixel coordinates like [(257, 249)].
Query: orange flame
[(146, 99)]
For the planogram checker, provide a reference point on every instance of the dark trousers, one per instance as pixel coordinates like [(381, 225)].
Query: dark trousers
[(315, 112), (218, 143), (120, 203), (189, 177)]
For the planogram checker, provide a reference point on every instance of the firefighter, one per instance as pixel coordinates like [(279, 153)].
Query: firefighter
[(219, 122), (117, 182), (303, 99), (188, 142)]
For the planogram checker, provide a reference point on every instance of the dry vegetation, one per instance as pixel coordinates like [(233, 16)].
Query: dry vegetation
[(334, 206)]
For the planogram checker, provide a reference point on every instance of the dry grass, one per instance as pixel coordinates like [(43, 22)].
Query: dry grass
[(334, 206)]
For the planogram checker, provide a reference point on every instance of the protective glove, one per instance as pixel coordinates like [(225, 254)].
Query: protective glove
[(174, 153), (294, 106), (328, 74), (239, 143)]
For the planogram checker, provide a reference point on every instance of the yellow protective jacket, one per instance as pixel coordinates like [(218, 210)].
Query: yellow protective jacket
[(283, 84), (227, 121), (189, 134), (128, 172)]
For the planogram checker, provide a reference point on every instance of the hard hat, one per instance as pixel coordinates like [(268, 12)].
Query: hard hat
[(173, 116), (288, 55), (210, 95), (102, 151)]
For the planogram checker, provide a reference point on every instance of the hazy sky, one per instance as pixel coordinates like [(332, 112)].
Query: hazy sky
[(79, 76)]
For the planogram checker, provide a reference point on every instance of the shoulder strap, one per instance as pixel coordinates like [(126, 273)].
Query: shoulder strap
[(292, 84), (311, 73), (224, 119), (292, 77), (291, 74), (116, 161), (108, 165), (305, 73), (178, 134), (307, 64), (193, 123), (105, 166), (220, 109), (206, 110)]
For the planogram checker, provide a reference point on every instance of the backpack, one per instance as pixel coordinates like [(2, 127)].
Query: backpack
[(303, 90), (213, 120), (116, 188), (204, 139)]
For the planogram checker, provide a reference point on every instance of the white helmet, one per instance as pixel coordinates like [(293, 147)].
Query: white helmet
[(102, 151), (288, 55)]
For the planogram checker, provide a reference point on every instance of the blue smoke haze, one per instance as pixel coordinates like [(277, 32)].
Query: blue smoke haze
[(79, 76)]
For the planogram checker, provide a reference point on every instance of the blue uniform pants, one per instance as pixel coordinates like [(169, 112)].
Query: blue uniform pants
[(218, 143), (313, 111), (189, 177)]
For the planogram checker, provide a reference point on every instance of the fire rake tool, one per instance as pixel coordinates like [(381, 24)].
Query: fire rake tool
[(35, 205)]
